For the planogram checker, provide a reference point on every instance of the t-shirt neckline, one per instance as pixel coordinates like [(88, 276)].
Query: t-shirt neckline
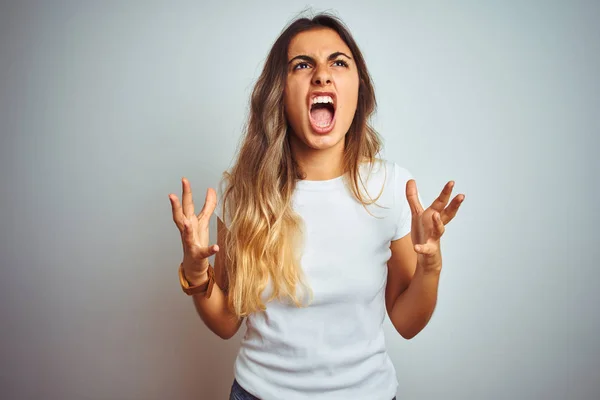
[(328, 184)]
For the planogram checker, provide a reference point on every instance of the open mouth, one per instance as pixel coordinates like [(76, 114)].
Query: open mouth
[(322, 113)]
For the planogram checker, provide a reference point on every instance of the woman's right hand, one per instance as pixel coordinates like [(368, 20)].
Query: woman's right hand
[(194, 232)]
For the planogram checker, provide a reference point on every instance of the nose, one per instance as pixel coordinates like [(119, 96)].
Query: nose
[(321, 77)]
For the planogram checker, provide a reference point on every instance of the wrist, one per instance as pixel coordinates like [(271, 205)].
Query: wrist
[(429, 266), (195, 278), (429, 271), (197, 282)]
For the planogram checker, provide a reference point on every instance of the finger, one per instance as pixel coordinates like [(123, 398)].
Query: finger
[(442, 200), (214, 249), (177, 213), (439, 228), (427, 249), (412, 196), (210, 203), (450, 212), (187, 235), (188, 204)]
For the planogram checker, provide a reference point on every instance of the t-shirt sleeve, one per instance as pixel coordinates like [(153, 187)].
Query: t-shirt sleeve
[(219, 212), (401, 208)]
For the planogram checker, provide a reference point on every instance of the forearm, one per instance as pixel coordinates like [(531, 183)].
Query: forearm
[(414, 307), (215, 312)]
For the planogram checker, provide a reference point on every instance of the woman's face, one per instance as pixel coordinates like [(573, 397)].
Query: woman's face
[(321, 92)]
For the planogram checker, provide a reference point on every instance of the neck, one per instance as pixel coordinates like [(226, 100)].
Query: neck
[(318, 165)]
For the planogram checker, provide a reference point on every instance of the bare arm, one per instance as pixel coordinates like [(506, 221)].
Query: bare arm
[(411, 293), (214, 311), (416, 261)]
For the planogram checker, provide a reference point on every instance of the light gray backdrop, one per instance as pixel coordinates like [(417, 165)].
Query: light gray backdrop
[(104, 106)]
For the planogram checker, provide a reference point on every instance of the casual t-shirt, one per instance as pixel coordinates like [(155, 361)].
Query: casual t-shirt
[(334, 348)]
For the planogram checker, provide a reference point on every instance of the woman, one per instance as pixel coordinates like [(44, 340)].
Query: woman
[(316, 237)]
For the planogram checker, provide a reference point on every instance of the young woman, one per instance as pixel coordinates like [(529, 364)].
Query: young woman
[(317, 238)]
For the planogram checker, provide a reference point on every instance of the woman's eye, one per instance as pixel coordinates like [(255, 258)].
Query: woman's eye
[(301, 65), (340, 63), (305, 65)]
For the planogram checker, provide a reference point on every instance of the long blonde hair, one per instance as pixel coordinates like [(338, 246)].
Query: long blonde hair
[(265, 236)]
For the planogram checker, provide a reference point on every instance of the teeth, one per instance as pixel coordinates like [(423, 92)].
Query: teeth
[(322, 99)]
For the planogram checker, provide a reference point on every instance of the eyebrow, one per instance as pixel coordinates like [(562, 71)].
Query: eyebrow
[(331, 57)]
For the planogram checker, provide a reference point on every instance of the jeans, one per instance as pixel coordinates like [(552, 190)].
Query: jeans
[(238, 393)]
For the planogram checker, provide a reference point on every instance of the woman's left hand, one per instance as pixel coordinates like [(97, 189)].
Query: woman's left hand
[(428, 225)]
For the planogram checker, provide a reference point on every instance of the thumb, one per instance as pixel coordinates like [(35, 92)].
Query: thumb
[(426, 249)]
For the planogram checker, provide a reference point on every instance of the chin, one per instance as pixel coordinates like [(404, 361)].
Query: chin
[(322, 141)]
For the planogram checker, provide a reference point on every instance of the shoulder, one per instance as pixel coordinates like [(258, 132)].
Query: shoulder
[(395, 176), (388, 170)]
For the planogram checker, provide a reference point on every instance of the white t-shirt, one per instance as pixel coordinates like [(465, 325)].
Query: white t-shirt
[(335, 347)]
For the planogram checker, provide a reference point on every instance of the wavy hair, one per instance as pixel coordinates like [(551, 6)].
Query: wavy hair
[(264, 238)]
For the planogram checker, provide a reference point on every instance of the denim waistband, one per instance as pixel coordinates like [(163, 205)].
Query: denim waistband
[(239, 393)]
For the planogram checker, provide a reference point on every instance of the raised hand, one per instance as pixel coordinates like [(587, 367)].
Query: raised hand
[(428, 225), (194, 231)]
